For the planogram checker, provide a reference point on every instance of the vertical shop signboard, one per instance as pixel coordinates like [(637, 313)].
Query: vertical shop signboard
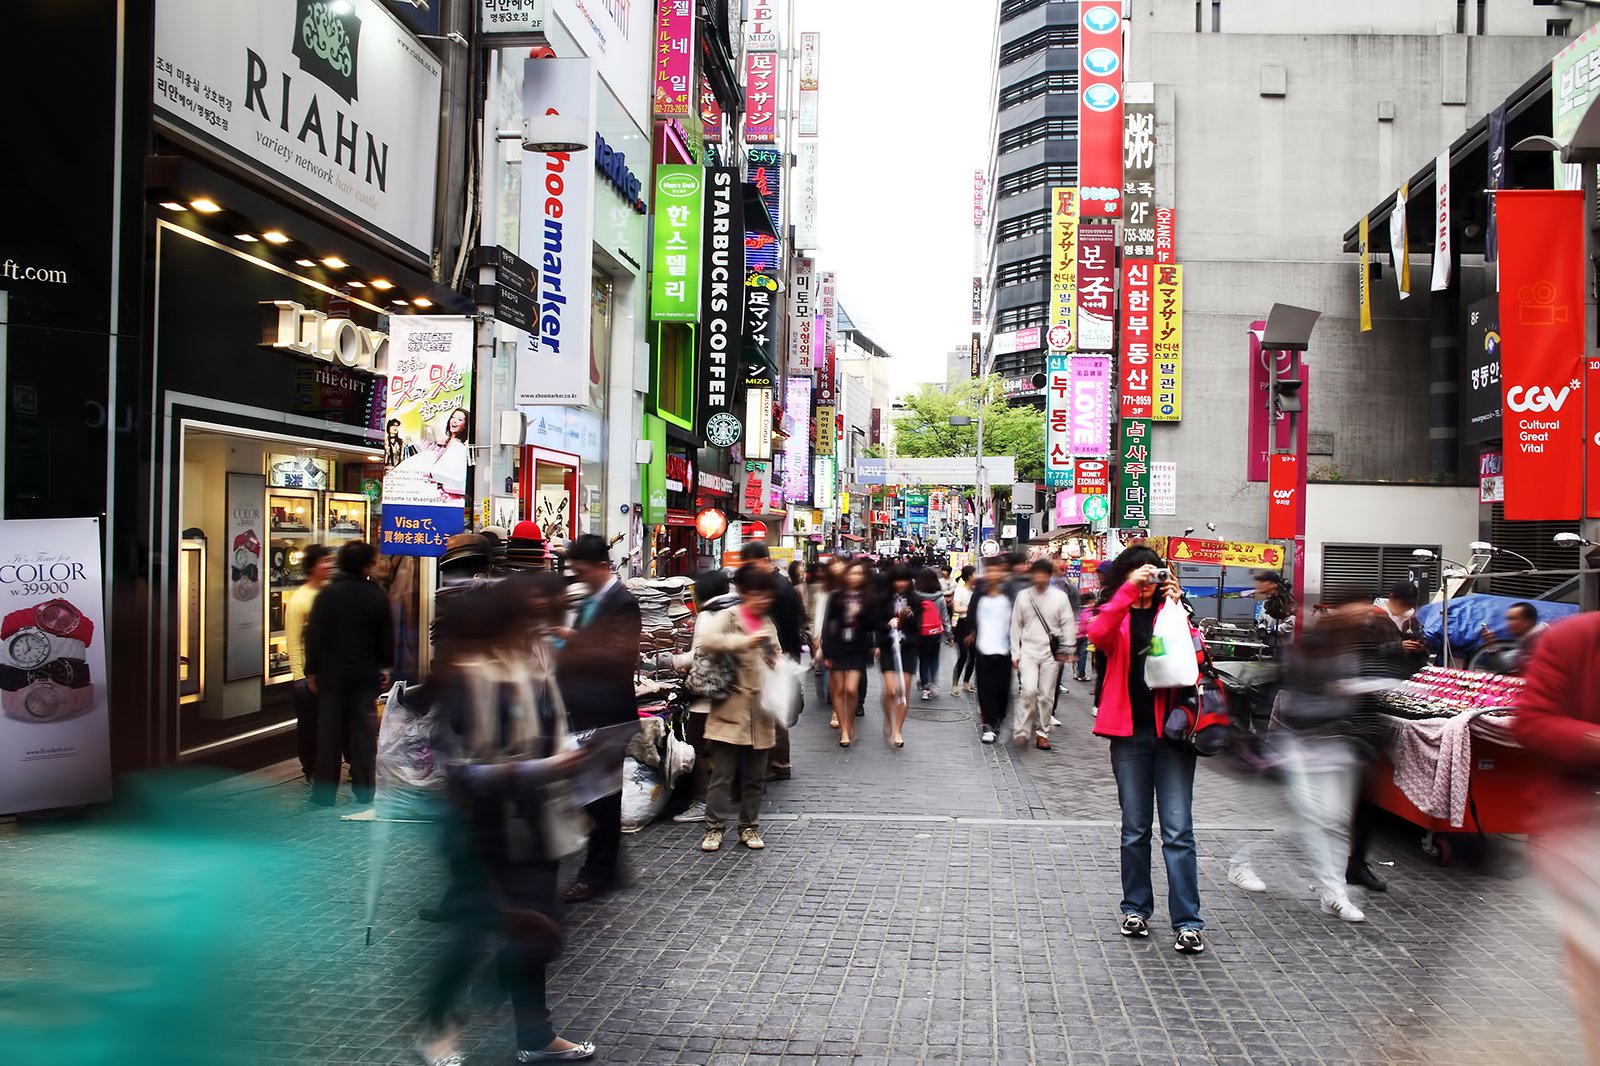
[(1364, 275), (244, 540), (1167, 342), (674, 58), (1058, 421), (675, 279), (55, 744), (1138, 334), (1139, 172), (1283, 492), (430, 394), (766, 174), (1133, 478), (1062, 334), (710, 112), (805, 195), (810, 82), (1097, 286), (1091, 405), (761, 96), (1166, 235), (802, 321), (1441, 222), (1542, 363), (1100, 117), (721, 306), (797, 401)]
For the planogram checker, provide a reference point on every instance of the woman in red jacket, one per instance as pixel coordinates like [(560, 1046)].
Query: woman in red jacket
[(1149, 771)]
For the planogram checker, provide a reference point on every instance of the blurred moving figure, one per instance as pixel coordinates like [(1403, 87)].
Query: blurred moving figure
[(349, 650), (1042, 629), (966, 658), (898, 637), (739, 733), (932, 627), (1395, 627), (1558, 720), (595, 671), (990, 638), (710, 595), (503, 737), (1275, 610), (849, 625), (317, 563), (788, 614)]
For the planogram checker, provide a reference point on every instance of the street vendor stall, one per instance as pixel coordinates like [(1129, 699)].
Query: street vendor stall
[(1449, 763)]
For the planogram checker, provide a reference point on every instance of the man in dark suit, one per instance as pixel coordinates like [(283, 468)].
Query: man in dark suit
[(788, 616), (595, 671)]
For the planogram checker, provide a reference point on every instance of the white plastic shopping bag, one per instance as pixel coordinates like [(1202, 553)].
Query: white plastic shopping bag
[(780, 692), (1171, 662)]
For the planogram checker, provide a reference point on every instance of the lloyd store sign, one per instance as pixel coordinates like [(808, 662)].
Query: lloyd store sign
[(339, 102), (290, 327)]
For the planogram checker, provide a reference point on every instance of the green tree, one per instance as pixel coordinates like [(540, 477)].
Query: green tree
[(924, 430)]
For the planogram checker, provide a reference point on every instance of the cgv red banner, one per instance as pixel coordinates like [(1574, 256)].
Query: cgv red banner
[(1541, 368), (1283, 496), (1100, 117)]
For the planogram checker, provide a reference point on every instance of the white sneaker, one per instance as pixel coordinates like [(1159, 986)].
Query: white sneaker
[(1246, 878), (1054, 721), (988, 736), (1340, 907), (696, 813)]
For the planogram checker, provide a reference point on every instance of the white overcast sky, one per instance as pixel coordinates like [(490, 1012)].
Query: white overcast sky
[(903, 121)]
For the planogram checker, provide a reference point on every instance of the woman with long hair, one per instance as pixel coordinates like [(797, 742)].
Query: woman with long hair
[(898, 639), (1149, 770), (849, 628), (966, 657), (931, 610)]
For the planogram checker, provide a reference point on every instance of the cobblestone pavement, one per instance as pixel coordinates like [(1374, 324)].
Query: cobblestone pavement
[(945, 902)]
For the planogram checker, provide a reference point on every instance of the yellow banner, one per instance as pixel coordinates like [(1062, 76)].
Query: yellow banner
[(1363, 238), (826, 431), (1062, 335), (1166, 319)]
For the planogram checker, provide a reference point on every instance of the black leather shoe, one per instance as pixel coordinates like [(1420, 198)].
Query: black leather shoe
[(583, 892), (1359, 873)]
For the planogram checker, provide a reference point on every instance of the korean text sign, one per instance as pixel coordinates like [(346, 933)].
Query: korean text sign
[(675, 281), (1138, 357), (1133, 481), (1139, 179), (1100, 105), (1058, 421), (1097, 286), (674, 58), (1063, 327), (429, 393), (1091, 405), (1167, 342)]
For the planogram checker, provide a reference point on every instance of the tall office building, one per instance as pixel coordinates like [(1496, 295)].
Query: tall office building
[(1034, 146)]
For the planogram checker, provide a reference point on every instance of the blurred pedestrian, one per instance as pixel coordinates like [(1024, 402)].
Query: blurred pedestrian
[(788, 614), (849, 632), (349, 650), (990, 638), (502, 736), (966, 657), (1275, 610), (933, 627), (1149, 771), (711, 594), (1558, 722), (1396, 629), (595, 671), (1042, 629), (739, 732), (898, 637), (317, 564)]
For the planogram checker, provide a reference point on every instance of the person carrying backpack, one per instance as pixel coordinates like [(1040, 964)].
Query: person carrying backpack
[(933, 616)]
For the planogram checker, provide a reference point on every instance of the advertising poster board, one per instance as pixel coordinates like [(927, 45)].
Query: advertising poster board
[(429, 393)]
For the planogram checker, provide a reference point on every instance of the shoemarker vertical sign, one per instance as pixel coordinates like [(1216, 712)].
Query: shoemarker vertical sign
[(55, 748), (557, 235), (429, 393), (1542, 362)]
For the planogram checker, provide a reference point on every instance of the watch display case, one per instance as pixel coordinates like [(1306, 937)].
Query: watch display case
[(294, 523), (349, 517)]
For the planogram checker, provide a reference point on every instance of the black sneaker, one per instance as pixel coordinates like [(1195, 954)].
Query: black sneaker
[(1189, 942), (1134, 925)]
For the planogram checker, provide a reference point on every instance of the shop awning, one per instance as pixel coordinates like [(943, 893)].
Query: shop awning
[(852, 538)]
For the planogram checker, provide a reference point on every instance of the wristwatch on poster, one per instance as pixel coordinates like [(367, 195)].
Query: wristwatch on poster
[(45, 701), (58, 617), (32, 647), (68, 673)]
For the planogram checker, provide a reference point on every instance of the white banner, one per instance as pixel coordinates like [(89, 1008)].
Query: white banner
[(805, 198), (1399, 246), (557, 233), (55, 748), (1441, 222), (342, 107), (810, 82), (1163, 488)]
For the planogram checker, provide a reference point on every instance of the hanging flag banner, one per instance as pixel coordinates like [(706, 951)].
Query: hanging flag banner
[(430, 394), (1441, 222), (675, 279), (1163, 489), (1363, 240), (1091, 405), (721, 306), (557, 232), (802, 319), (1497, 177), (810, 82), (1062, 333), (1167, 342), (1100, 118), (1133, 478), (1058, 421), (55, 740), (1137, 367), (805, 195), (674, 58), (1541, 362), (1097, 286), (1283, 491), (1400, 242), (1139, 172), (1166, 235)]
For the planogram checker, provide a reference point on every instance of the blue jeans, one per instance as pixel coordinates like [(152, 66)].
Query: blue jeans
[(1151, 772), (1081, 667)]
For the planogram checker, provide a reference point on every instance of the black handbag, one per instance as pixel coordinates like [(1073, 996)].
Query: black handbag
[(1055, 641)]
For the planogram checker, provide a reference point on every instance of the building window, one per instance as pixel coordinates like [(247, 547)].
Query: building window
[(1039, 41), (1483, 12), (1046, 129), (1216, 16), (1023, 226), (1199, 16), (1010, 9), (1056, 81), (1023, 272), (1019, 318), (1557, 27), (1039, 177), (1461, 16)]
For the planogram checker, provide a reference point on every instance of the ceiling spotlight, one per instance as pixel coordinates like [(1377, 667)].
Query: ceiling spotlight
[(273, 236), (333, 262), (379, 283), (355, 284), (305, 262), (248, 238), (205, 207), (173, 205), (423, 301), (400, 303)]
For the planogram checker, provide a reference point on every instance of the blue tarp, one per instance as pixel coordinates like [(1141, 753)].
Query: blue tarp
[(1475, 609)]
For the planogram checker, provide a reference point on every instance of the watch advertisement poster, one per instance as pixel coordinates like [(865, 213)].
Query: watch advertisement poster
[(245, 559), (55, 744), (429, 389)]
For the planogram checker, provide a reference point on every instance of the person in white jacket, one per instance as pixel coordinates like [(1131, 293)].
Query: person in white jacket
[(1043, 632)]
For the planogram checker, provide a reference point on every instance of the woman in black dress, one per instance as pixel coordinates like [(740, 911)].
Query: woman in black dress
[(849, 627), (898, 640)]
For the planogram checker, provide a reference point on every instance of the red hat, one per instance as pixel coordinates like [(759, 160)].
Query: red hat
[(526, 530)]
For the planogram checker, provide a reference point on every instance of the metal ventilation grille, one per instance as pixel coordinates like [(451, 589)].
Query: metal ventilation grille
[(1370, 569), (1536, 541)]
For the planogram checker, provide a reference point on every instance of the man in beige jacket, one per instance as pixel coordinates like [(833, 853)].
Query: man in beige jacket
[(1043, 632)]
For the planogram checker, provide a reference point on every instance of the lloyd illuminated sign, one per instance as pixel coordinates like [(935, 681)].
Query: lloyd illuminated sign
[(290, 327)]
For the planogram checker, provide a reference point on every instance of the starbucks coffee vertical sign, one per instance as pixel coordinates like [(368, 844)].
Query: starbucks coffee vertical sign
[(55, 748)]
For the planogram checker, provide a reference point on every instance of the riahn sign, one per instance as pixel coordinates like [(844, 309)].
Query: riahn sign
[(336, 101)]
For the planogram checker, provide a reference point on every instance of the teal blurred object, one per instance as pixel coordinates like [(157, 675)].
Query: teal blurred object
[(142, 925)]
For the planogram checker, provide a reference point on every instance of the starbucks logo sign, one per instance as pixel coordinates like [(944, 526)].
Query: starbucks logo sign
[(723, 430)]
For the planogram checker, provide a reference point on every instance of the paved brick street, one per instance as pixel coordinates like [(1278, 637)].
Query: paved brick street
[(947, 902)]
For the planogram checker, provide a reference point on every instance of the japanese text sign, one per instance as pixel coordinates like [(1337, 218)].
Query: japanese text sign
[(761, 96), (674, 58), (429, 393), (1063, 327), (1167, 342), (1138, 358)]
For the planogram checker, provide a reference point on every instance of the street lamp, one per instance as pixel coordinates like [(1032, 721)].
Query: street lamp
[(1445, 575), (1483, 547)]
